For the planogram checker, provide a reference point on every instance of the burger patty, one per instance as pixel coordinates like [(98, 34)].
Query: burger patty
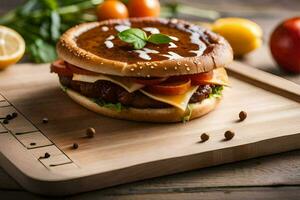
[(113, 93)]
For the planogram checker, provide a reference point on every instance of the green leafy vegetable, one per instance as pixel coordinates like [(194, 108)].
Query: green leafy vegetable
[(216, 91), (114, 106), (134, 36), (189, 114), (41, 23), (138, 38), (159, 39)]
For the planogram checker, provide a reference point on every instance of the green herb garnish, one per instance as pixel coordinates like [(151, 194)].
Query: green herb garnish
[(138, 38)]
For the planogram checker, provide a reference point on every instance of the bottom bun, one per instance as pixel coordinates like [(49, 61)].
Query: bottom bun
[(161, 115)]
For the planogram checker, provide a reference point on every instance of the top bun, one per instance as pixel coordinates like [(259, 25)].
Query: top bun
[(196, 49)]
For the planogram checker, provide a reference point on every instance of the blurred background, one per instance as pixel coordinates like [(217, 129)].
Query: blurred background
[(266, 13)]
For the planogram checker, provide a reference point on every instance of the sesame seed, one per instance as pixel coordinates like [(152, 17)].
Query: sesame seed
[(152, 67), (165, 69), (175, 68), (188, 69), (148, 76), (186, 65), (132, 69), (141, 67)]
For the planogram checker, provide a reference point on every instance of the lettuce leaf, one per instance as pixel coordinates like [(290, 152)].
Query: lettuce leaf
[(216, 91), (113, 106)]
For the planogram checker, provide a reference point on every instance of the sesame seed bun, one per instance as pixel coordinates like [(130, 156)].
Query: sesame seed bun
[(217, 54), (161, 115)]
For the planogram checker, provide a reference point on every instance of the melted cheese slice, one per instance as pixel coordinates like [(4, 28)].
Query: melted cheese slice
[(220, 77), (179, 101), (124, 82)]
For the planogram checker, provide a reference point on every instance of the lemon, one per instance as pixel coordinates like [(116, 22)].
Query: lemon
[(12, 47), (243, 35)]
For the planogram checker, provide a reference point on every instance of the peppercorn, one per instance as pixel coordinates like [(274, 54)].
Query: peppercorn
[(47, 155), (9, 117), (90, 132), (229, 135), (204, 137), (75, 146), (32, 144), (5, 121), (45, 120), (14, 114), (242, 115)]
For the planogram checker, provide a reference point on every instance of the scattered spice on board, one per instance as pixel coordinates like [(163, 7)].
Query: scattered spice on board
[(47, 155), (75, 146), (90, 132), (204, 137), (9, 117), (14, 115), (229, 135), (242, 115), (45, 120)]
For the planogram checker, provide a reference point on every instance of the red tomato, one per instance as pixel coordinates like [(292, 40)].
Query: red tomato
[(196, 79), (170, 88), (77, 70), (143, 8), (150, 81), (112, 9), (285, 45), (60, 68)]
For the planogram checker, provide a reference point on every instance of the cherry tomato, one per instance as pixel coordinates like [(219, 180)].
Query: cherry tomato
[(60, 68), (112, 9), (144, 8), (170, 88), (149, 81), (285, 45), (77, 70), (196, 79)]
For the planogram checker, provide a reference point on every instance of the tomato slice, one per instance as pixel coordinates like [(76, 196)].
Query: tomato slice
[(196, 79), (149, 81), (170, 87), (60, 68), (77, 70)]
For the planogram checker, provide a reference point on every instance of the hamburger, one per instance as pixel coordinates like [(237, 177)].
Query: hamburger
[(143, 69)]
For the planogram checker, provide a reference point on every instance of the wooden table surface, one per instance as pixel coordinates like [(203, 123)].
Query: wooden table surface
[(271, 177)]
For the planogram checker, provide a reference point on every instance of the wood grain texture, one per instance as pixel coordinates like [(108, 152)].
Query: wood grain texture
[(153, 149), (258, 193), (272, 170)]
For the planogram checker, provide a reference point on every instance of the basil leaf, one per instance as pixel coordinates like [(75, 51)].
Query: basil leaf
[(134, 36), (159, 39)]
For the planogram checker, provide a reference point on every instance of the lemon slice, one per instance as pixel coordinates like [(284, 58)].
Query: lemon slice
[(243, 35), (12, 47)]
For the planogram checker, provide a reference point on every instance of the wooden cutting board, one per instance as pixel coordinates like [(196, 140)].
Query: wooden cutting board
[(124, 151)]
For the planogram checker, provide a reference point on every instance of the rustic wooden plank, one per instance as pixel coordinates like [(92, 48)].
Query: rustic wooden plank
[(258, 193), (261, 134), (281, 169)]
